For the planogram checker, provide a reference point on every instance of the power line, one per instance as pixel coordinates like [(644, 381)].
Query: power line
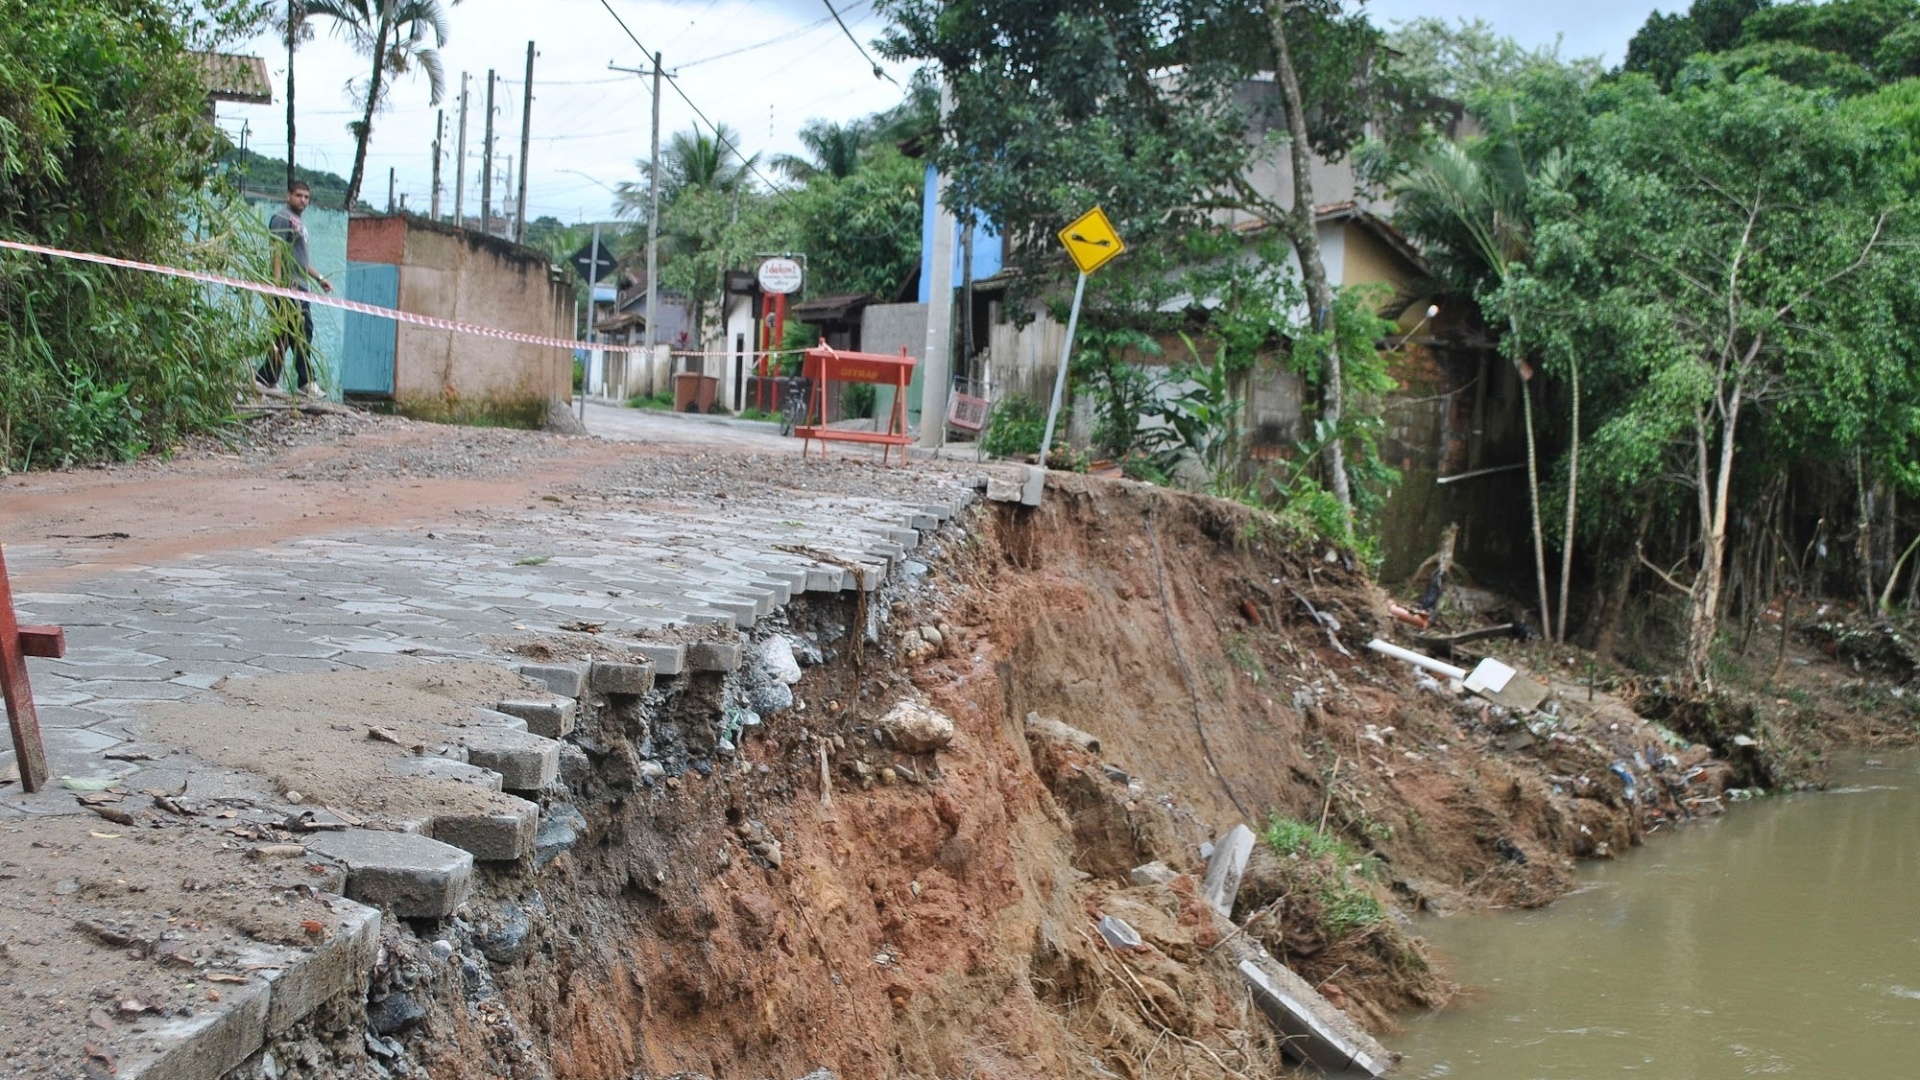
[(718, 136), (788, 36), (878, 71)]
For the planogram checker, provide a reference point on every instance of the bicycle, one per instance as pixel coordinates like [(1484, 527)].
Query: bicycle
[(796, 411)]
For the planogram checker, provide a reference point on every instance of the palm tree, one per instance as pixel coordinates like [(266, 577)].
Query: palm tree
[(393, 34), (691, 160), (1469, 204), (294, 29), (834, 151)]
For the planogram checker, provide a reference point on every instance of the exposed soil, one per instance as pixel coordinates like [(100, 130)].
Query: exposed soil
[(933, 914)]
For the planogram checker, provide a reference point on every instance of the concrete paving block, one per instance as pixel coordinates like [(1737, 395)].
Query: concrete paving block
[(1226, 867), (713, 656), (418, 877), (782, 592), (828, 579), (525, 762), (924, 523), (501, 833), (908, 539), (610, 678), (209, 1042), (494, 718), (741, 611), (1034, 487), (550, 717), (795, 577), (665, 657), (437, 768), (567, 680), (939, 511), (339, 965), (1003, 488)]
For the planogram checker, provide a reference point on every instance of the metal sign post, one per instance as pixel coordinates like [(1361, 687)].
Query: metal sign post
[(16, 644), (1092, 242)]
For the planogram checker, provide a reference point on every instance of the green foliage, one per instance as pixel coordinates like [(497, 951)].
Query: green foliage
[(1015, 427), (660, 402), (102, 148), (260, 175), (1841, 46), (861, 231), (1192, 416), (858, 399)]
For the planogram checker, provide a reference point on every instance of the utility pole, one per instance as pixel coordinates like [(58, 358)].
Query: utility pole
[(526, 134), (439, 137), (486, 165), (935, 383), (506, 184), (390, 176), (653, 208), (460, 161)]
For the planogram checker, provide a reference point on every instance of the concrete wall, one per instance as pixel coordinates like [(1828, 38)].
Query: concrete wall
[(458, 274), (327, 246), (887, 328)]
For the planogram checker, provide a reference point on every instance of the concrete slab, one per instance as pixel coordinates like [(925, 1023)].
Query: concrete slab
[(312, 977), (439, 768), (551, 717), (208, 1043), (525, 762), (666, 658), (567, 680), (416, 876), (713, 656), (612, 678), (1227, 866), (1281, 995), (502, 833)]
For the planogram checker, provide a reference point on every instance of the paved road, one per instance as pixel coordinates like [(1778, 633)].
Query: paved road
[(648, 552)]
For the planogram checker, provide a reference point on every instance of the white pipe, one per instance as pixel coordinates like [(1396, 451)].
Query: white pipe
[(1417, 660)]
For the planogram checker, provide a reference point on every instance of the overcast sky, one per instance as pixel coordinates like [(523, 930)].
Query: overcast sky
[(763, 68)]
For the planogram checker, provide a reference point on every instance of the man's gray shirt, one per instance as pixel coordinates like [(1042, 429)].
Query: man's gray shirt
[(286, 226)]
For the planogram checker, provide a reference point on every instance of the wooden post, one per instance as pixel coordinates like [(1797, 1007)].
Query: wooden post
[(16, 644)]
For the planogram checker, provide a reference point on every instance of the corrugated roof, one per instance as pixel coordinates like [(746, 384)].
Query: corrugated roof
[(230, 77)]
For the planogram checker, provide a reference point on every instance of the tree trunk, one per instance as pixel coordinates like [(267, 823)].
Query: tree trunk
[(1302, 231), (365, 133), (1573, 500), (293, 40), (1533, 502), (1703, 608)]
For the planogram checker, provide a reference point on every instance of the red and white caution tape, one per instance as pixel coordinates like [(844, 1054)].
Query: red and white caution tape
[(430, 321)]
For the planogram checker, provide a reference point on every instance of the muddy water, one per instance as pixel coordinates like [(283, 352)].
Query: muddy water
[(1781, 940)]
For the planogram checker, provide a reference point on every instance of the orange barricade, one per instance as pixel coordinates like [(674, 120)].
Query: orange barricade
[(827, 367), (16, 644)]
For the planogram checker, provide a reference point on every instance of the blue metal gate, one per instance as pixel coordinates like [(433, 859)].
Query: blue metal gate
[(367, 355)]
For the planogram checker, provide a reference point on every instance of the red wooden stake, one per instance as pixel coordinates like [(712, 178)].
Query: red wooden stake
[(16, 644)]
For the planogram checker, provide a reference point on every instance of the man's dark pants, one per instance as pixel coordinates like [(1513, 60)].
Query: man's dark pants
[(295, 334)]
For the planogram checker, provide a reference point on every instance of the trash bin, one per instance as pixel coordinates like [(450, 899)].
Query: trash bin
[(694, 392)]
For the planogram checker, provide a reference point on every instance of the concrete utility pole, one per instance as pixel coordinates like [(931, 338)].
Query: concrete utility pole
[(460, 161), (390, 177), (439, 137), (653, 207), (506, 183), (936, 363), (526, 134), (486, 165)]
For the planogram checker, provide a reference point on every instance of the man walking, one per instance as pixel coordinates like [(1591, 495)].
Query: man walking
[(296, 328)]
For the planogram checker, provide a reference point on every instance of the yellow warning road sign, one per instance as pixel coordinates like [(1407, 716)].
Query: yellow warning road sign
[(1091, 241)]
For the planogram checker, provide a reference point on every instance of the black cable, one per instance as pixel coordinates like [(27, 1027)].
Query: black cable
[(878, 71), (715, 128)]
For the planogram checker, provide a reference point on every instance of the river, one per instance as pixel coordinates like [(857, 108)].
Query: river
[(1781, 940)]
